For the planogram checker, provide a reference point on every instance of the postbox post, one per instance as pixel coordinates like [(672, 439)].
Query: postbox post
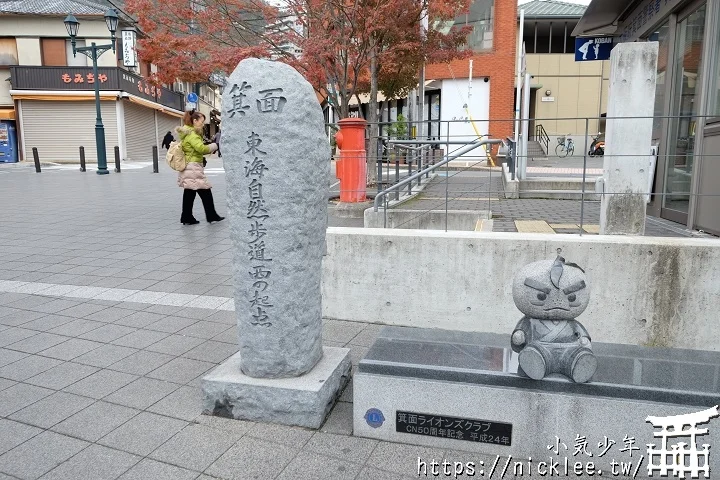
[(351, 168)]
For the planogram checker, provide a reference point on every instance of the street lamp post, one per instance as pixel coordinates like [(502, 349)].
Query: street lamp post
[(93, 52)]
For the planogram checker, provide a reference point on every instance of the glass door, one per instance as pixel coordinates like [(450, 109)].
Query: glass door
[(689, 43)]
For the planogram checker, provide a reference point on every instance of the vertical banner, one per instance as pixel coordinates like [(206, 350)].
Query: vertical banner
[(129, 53)]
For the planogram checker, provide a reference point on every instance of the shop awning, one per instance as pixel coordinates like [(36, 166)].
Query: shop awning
[(7, 114), (600, 17), (62, 97), (154, 106)]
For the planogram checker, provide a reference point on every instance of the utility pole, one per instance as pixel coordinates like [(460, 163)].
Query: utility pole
[(421, 87), (519, 76)]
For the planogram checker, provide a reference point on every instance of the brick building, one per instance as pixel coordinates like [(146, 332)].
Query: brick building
[(490, 96), (452, 98)]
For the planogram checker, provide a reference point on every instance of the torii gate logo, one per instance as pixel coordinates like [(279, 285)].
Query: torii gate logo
[(684, 457)]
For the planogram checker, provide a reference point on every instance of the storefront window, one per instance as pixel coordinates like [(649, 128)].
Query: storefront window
[(714, 86), (480, 18), (689, 43), (662, 36)]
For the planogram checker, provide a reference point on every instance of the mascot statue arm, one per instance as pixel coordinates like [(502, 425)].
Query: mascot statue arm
[(521, 334)]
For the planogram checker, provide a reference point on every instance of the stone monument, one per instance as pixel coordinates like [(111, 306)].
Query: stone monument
[(277, 163), (627, 172), (548, 339)]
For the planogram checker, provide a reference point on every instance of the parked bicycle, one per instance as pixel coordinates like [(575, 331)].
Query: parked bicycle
[(565, 146)]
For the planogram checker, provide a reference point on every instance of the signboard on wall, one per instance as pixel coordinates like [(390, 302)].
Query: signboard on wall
[(592, 48), (643, 17), (83, 78), (128, 44)]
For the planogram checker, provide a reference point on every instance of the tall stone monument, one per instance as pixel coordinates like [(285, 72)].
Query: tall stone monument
[(627, 160), (277, 163)]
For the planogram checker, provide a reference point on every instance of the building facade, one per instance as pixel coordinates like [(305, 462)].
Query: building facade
[(686, 128), (467, 98), (49, 93), (563, 92), (484, 83)]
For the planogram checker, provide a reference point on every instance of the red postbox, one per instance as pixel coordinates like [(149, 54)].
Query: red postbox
[(351, 168)]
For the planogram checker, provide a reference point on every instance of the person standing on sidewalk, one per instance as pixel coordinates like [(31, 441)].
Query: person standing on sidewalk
[(216, 140), (167, 140), (193, 180)]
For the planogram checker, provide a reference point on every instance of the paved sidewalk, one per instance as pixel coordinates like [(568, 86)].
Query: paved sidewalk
[(110, 314), (484, 191)]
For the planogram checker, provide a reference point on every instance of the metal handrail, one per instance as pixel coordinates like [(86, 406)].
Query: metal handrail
[(400, 145), (448, 158), (544, 138)]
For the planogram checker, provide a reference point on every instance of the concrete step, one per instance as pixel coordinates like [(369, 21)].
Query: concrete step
[(535, 149), (557, 188)]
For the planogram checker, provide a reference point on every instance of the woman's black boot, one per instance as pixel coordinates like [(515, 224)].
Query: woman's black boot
[(210, 214), (187, 207)]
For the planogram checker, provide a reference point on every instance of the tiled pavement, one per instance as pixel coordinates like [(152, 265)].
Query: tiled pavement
[(110, 313), (484, 191)]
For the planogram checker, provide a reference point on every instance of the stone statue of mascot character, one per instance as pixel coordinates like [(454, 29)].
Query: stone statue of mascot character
[(548, 339)]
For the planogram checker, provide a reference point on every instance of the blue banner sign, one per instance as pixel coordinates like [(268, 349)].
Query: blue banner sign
[(593, 48)]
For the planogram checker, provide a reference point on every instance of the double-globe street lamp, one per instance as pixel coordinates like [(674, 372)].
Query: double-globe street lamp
[(93, 52)]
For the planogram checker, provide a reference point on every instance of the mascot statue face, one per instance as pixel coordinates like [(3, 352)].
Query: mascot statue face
[(551, 290)]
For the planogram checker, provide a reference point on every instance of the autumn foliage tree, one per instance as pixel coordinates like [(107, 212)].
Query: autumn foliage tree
[(347, 46)]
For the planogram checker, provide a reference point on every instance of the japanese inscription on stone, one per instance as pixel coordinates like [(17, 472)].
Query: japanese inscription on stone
[(468, 429), (277, 161), (257, 213)]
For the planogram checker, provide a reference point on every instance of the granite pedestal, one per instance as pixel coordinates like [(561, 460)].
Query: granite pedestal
[(304, 401), (472, 377)]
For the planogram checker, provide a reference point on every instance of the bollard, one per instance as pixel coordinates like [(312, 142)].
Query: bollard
[(36, 157), (117, 159), (397, 179), (380, 175), (420, 168), (409, 164), (155, 159), (82, 159)]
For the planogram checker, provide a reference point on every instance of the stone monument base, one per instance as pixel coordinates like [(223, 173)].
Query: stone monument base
[(304, 401), (460, 391)]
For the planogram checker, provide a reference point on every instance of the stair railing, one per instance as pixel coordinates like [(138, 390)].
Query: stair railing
[(542, 138)]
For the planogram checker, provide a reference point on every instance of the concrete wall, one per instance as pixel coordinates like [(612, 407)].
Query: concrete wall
[(579, 89), (644, 291), (29, 51)]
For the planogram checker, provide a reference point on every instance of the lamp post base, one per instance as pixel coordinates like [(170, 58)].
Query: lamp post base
[(100, 143)]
